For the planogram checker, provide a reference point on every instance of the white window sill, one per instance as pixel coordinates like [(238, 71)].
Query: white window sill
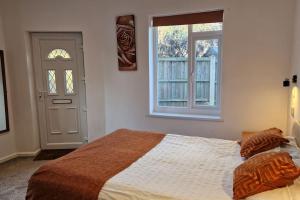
[(186, 116)]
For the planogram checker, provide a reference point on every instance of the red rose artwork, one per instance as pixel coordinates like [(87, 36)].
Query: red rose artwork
[(126, 43)]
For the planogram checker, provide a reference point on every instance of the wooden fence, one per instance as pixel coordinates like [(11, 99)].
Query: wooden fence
[(173, 81)]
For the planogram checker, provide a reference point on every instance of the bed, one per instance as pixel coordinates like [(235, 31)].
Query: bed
[(134, 165)]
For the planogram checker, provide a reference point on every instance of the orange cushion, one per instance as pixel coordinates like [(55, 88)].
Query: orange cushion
[(261, 142), (264, 172), (247, 134)]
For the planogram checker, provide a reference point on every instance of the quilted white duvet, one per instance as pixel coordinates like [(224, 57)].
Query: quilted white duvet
[(186, 168)]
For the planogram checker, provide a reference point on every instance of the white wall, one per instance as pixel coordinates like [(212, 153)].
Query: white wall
[(56, 15), (7, 140), (294, 102), (257, 40)]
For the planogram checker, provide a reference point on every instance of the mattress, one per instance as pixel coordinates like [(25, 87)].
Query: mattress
[(186, 168)]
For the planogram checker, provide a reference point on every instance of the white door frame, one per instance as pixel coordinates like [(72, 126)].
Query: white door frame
[(39, 90)]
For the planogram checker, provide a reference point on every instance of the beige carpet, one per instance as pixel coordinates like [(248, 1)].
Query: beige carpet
[(14, 175)]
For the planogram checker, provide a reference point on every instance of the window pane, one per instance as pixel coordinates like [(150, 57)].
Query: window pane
[(59, 53), (206, 62), (172, 72), (69, 81), (51, 82), (207, 27)]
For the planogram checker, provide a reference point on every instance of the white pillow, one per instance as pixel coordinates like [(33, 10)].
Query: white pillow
[(292, 140), (285, 193), (297, 162), (291, 148)]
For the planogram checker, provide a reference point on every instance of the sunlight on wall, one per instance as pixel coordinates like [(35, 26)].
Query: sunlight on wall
[(294, 104), (294, 112)]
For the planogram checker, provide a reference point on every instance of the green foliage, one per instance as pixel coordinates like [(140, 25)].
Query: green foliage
[(173, 41), (207, 27)]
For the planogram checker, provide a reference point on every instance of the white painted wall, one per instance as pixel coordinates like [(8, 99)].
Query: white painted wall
[(7, 140), (56, 16), (294, 102), (257, 41)]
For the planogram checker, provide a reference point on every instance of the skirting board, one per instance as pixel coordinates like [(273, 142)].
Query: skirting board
[(19, 154)]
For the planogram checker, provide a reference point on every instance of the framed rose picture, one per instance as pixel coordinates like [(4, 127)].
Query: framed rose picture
[(126, 43)]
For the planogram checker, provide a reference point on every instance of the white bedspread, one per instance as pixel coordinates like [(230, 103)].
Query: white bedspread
[(185, 168)]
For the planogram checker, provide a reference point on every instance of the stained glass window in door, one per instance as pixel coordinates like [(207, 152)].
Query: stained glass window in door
[(69, 83), (51, 81), (59, 53)]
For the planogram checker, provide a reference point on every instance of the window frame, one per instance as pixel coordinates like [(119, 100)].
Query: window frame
[(192, 110)]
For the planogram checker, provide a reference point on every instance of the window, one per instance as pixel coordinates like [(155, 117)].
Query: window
[(51, 82), (185, 63), (69, 85), (59, 53)]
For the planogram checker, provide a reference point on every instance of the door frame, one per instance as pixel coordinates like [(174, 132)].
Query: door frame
[(38, 82)]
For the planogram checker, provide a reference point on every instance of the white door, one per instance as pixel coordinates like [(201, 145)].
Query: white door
[(60, 89)]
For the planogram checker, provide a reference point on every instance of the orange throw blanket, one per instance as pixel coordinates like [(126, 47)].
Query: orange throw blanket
[(81, 174)]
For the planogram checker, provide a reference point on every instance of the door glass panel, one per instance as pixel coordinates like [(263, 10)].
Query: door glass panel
[(69, 84), (59, 53), (206, 62), (51, 82)]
